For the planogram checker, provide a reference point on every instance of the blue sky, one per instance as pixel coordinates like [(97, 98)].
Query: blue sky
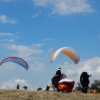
[(33, 29)]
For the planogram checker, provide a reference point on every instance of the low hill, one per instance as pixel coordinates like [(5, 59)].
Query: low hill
[(45, 95)]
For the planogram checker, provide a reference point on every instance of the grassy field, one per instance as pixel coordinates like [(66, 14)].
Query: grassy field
[(45, 95)]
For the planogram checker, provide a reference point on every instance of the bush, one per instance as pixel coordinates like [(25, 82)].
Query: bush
[(95, 85), (98, 90), (39, 89), (25, 87), (79, 87)]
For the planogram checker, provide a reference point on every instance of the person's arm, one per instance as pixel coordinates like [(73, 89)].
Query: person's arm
[(57, 73), (81, 78)]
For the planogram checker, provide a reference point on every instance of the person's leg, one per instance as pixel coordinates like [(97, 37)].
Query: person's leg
[(86, 87), (58, 88), (58, 85), (82, 87)]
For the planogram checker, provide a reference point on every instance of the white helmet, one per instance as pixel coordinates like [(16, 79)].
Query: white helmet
[(59, 68)]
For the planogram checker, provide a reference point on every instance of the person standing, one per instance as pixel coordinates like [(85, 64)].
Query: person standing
[(58, 77), (17, 87), (84, 80)]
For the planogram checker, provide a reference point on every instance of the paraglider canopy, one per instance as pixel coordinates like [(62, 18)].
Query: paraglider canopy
[(17, 60), (68, 51)]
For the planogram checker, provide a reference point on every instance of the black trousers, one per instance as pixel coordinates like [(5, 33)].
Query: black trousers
[(84, 87), (55, 81)]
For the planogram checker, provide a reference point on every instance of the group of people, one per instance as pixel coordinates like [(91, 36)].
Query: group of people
[(68, 83)]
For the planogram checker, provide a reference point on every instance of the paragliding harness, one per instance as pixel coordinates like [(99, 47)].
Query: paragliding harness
[(84, 78)]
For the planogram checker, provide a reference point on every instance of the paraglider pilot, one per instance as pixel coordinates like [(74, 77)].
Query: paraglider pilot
[(56, 78), (84, 80)]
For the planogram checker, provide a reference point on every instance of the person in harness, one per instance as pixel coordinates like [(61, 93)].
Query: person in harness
[(56, 78), (84, 80)]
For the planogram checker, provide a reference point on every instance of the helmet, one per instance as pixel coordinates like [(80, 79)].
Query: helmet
[(59, 68)]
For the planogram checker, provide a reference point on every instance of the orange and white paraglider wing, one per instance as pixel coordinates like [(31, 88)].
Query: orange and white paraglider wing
[(68, 51), (52, 56)]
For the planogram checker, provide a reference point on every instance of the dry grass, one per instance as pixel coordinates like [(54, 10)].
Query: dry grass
[(45, 95)]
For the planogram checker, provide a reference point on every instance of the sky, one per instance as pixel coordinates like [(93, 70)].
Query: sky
[(33, 29)]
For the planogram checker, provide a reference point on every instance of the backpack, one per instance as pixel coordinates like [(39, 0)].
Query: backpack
[(84, 78)]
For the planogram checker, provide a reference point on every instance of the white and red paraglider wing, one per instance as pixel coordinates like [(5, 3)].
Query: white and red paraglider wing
[(67, 82)]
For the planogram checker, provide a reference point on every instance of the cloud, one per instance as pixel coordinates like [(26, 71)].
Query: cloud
[(98, 35), (89, 65), (37, 45), (98, 69), (8, 40), (37, 66), (4, 19), (35, 15), (65, 7), (25, 51), (7, 0), (48, 39), (12, 83), (5, 34), (50, 50), (7, 37), (9, 66)]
